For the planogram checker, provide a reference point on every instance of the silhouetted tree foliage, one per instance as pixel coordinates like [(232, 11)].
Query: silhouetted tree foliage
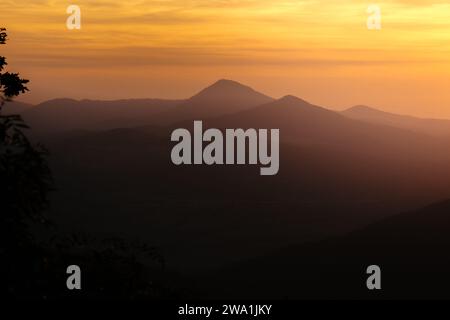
[(111, 268), (25, 181), (25, 177), (33, 268)]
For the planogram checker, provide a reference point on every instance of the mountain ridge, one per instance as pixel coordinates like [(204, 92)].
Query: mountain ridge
[(430, 126), (335, 267)]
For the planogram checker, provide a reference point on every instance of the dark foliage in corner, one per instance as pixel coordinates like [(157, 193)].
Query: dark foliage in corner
[(36, 269), (24, 174)]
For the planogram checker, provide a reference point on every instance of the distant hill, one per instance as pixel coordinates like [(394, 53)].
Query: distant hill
[(221, 98), (435, 127), (336, 174), (68, 114), (411, 250), (227, 94), (224, 97), (16, 107), (302, 123), (113, 175)]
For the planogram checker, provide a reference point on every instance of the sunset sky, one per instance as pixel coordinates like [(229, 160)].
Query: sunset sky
[(320, 50)]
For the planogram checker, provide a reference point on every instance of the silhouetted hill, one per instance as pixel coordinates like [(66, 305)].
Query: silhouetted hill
[(411, 250), (68, 114), (230, 93), (435, 127), (335, 174), (301, 122), (16, 107), (221, 98)]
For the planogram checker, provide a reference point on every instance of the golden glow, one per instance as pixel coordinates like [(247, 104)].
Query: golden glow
[(319, 50)]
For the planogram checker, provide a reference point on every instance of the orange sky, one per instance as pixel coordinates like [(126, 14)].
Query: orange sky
[(320, 50)]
